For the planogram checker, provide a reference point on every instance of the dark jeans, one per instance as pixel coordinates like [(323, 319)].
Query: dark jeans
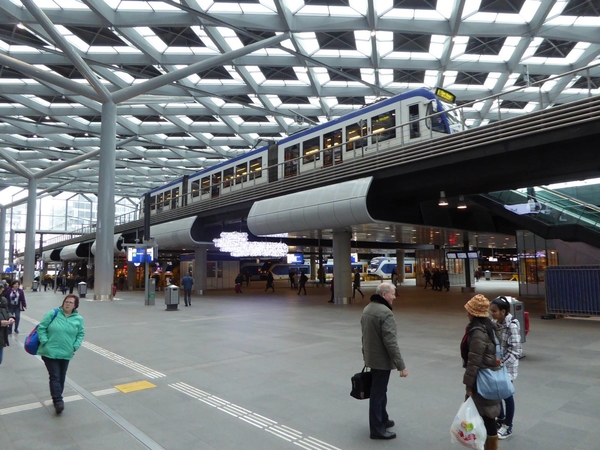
[(57, 372), (15, 311), (510, 410), (378, 415), (187, 296), (302, 287), (490, 426), (356, 288), (1, 352)]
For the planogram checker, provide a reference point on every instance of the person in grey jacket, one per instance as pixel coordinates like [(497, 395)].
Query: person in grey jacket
[(382, 354)]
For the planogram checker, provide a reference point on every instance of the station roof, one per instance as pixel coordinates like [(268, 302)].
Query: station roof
[(342, 54)]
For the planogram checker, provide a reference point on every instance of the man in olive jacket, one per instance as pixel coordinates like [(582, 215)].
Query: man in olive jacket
[(382, 354)]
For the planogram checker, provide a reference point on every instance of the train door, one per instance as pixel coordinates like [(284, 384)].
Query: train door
[(332, 148), (290, 156), (184, 190), (215, 185), (413, 117), (272, 160), (175, 198)]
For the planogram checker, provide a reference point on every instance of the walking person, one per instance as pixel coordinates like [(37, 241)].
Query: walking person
[(302, 283), (16, 304), (478, 351), (331, 288), (61, 334), (512, 350), (356, 284), (247, 278), (238, 283), (187, 282), (5, 321), (395, 276), (382, 354), (427, 276), (270, 282)]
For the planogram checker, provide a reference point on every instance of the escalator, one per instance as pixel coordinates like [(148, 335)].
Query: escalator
[(548, 213)]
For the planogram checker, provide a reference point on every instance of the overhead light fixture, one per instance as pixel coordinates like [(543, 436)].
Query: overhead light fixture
[(443, 200), (461, 202)]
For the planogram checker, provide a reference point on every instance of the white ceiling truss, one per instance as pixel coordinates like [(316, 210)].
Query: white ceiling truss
[(341, 55)]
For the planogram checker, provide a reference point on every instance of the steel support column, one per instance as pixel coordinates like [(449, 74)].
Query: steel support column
[(200, 259), (342, 269), (29, 263), (400, 265), (2, 237), (104, 257)]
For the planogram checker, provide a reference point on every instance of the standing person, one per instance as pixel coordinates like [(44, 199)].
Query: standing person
[(292, 274), (302, 283), (247, 278), (5, 321), (356, 283), (510, 342), (122, 282), (332, 291), (427, 276), (478, 351), (16, 304), (61, 334), (395, 276), (238, 283), (270, 281), (382, 354), (187, 282)]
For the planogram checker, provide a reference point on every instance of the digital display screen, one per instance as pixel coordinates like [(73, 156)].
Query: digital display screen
[(295, 258), (140, 254), (353, 257), (461, 256), (473, 255), (445, 95), (451, 255)]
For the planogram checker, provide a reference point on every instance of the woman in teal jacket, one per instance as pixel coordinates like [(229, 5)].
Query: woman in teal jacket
[(61, 334)]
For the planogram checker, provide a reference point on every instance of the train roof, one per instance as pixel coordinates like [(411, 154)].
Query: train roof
[(420, 92)]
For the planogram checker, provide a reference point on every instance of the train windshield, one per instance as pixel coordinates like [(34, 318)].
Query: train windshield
[(454, 117)]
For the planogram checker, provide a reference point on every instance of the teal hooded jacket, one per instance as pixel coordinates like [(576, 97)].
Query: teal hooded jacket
[(60, 338)]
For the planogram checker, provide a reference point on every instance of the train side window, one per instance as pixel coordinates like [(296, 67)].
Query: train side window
[(205, 185), (228, 177), (195, 188), (167, 198), (159, 202), (153, 203), (241, 173), (354, 135), (310, 150), (332, 149), (413, 114), (383, 126), (175, 198), (215, 187), (290, 155), (256, 168)]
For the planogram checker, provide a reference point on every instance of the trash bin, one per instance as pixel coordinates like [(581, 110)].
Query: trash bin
[(488, 275), (172, 297), (517, 309), (82, 289), (35, 285)]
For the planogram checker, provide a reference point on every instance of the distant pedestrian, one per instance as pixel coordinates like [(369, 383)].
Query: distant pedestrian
[(187, 282), (356, 284), (302, 283), (238, 283), (427, 276), (122, 280), (444, 279), (247, 278), (61, 334), (270, 282), (292, 276), (395, 276), (16, 304), (5, 321), (332, 291)]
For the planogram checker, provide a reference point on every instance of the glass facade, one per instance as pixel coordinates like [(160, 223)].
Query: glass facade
[(534, 255)]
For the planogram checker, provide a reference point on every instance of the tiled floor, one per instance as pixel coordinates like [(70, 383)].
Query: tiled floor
[(272, 371)]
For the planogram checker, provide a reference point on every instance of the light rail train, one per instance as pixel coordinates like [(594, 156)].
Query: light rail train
[(355, 135), (382, 267)]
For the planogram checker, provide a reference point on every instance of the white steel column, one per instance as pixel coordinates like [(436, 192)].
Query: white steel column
[(342, 269), (2, 237), (200, 260), (29, 264), (104, 257)]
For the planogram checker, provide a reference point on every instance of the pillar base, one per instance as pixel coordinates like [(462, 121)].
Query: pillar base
[(342, 300), (103, 297), (467, 289), (172, 308)]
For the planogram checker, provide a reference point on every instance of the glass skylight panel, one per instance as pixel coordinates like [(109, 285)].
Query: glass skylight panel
[(428, 14), (256, 8), (588, 21), (529, 9), (557, 8), (397, 13), (533, 46), (307, 41), (133, 6), (436, 46), (368, 75), (491, 80), (313, 10), (577, 52)]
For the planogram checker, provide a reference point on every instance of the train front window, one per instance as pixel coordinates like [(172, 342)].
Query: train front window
[(310, 150), (455, 118), (384, 126), (255, 168)]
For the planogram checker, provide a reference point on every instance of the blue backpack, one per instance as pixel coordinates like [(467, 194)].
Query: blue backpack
[(32, 342)]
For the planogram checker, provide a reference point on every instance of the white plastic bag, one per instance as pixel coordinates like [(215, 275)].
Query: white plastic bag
[(467, 428)]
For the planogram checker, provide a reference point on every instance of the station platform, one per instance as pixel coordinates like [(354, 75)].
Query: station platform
[(271, 370)]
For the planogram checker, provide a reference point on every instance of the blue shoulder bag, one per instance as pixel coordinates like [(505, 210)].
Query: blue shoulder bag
[(32, 342), (495, 384)]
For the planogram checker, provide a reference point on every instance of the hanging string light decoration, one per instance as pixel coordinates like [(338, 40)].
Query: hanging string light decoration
[(238, 245)]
